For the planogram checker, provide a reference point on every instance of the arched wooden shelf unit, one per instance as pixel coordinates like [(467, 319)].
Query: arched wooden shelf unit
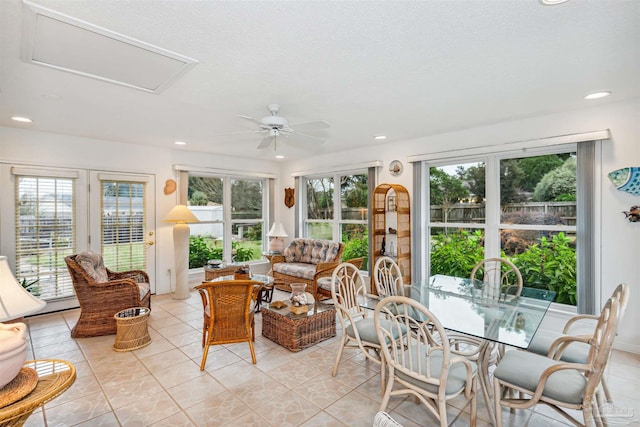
[(391, 219)]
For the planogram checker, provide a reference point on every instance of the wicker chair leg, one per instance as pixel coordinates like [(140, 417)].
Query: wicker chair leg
[(204, 357), (253, 353)]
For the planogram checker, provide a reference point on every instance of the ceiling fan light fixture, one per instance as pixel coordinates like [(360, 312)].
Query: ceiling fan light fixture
[(597, 95), (552, 2), (21, 119)]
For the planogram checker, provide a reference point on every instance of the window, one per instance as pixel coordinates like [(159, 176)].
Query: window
[(515, 207), (339, 213), (123, 225), (45, 233), (232, 212)]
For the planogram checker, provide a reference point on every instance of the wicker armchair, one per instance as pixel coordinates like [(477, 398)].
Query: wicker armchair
[(102, 293), (227, 314)]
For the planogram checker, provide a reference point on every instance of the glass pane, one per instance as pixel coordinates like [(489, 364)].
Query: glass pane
[(356, 243), (320, 198), (457, 193), (354, 197), (205, 243), (320, 230), (123, 222), (205, 191), (45, 234), (246, 199), (247, 241), (454, 251), (538, 190), (546, 260)]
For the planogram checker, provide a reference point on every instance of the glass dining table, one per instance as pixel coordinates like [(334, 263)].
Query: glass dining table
[(480, 310)]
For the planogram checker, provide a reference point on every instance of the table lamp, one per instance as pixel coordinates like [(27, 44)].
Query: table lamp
[(276, 234), (15, 302), (180, 215)]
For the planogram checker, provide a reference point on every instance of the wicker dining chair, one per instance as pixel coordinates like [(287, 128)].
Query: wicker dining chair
[(502, 281), (358, 331), (227, 314), (102, 293), (561, 385), (421, 363), (581, 324)]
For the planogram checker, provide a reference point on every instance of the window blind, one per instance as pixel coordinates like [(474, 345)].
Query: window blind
[(45, 233)]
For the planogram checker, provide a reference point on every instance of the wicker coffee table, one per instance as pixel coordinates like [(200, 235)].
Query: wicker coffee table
[(299, 331)]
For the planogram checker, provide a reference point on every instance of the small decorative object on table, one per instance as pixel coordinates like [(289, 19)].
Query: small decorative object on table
[(299, 299), (13, 350), (243, 273)]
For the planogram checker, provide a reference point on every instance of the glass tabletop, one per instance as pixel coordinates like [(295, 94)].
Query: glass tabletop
[(469, 307), (267, 280)]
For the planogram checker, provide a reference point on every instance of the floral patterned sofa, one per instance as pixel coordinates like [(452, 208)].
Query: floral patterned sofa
[(302, 259)]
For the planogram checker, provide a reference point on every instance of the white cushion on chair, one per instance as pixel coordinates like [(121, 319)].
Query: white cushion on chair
[(576, 352), (367, 330), (523, 369), (456, 379)]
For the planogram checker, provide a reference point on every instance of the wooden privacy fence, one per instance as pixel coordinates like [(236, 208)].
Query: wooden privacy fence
[(475, 212)]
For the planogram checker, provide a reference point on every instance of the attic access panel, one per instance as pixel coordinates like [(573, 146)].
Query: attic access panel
[(59, 41)]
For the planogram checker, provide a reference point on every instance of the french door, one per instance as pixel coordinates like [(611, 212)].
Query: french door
[(121, 222)]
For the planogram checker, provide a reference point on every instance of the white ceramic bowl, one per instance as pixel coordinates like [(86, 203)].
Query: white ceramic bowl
[(13, 350)]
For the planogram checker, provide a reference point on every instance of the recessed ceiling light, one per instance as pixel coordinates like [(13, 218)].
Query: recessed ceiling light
[(279, 156), (180, 143), (597, 95), (21, 119), (552, 2), (379, 137)]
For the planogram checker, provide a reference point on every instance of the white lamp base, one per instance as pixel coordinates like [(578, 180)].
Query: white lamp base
[(181, 248)]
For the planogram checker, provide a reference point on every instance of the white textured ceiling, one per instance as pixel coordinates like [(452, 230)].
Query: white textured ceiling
[(402, 69)]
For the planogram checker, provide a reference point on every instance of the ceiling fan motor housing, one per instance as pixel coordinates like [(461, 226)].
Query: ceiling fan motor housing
[(274, 122)]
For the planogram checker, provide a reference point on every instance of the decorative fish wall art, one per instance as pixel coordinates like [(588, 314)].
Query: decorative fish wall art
[(627, 179)]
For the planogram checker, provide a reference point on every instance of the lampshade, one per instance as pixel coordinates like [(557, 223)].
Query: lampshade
[(15, 301), (277, 230), (180, 214)]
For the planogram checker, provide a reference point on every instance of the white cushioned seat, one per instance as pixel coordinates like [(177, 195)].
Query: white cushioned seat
[(523, 369)]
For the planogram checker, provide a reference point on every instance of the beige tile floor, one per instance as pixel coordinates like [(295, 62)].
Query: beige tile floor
[(162, 385)]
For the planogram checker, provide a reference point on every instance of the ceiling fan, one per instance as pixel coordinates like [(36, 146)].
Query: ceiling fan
[(274, 126)]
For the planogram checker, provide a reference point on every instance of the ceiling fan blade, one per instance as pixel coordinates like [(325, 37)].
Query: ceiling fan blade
[(308, 138), (241, 132), (266, 141), (251, 119), (311, 126)]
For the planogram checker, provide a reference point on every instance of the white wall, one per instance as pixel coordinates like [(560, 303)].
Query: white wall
[(620, 238), (620, 243)]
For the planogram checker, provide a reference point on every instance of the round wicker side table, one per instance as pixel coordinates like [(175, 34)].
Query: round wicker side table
[(132, 332), (54, 378)]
